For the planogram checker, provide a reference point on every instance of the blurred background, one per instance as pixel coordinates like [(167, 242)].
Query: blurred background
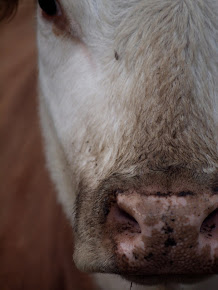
[(36, 242)]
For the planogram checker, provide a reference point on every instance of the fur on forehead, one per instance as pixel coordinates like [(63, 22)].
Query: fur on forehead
[(159, 45)]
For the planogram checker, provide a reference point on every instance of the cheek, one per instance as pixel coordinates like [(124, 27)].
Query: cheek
[(68, 80), (67, 75), (73, 90)]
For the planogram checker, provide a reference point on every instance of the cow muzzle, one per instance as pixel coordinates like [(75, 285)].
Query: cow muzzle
[(159, 233)]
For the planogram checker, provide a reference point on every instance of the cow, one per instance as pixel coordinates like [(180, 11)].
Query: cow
[(128, 101)]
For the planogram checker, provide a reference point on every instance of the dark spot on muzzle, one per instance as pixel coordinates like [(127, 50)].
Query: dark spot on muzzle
[(170, 242), (215, 189), (186, 193), (148, 257), (168, 230)]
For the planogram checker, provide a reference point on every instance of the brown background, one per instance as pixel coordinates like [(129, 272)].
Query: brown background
[(35, 238)]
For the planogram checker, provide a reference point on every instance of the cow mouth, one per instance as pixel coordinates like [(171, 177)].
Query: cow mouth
[(167, 279)]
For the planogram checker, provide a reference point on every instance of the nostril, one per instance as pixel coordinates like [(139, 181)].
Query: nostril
[(129, 219), (123, 220), (209, 227)]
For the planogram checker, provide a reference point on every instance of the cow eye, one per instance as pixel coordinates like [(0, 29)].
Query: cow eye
[(49, 7)]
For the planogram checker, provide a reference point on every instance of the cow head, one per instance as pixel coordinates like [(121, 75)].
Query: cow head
[(129, 110)]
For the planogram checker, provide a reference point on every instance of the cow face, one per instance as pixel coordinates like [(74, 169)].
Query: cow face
[(129, 111)]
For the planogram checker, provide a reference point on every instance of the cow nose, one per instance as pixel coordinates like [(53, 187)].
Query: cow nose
[(165, 233)]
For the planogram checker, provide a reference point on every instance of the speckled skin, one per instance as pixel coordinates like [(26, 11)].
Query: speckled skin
[(167, 234)]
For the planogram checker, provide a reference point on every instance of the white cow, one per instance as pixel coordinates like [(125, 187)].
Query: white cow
[(129, 111)]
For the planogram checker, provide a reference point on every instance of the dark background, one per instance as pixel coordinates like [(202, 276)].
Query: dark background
[(36, 242)]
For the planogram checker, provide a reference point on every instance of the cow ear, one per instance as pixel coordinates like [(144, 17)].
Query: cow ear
[(8, 8)]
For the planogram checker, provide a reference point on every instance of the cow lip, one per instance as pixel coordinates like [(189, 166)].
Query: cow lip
[(152, 280)]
